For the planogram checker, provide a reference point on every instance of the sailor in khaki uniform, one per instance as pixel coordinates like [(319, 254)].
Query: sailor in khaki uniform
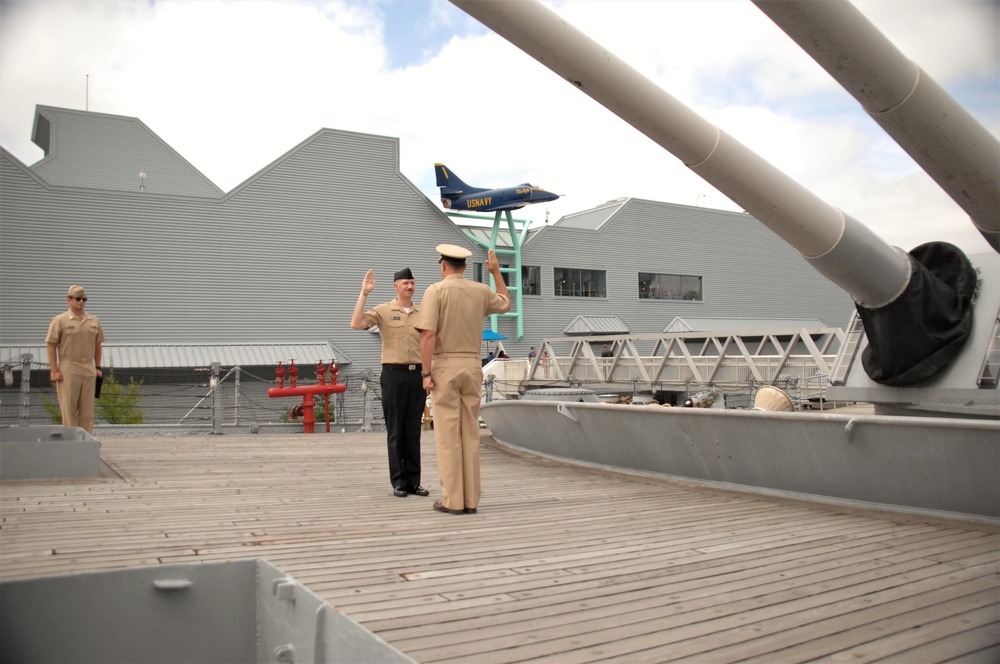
[(451, 332), (74, 344), (403, 395)]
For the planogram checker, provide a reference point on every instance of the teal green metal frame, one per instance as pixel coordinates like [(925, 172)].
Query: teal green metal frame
[(514, 281)]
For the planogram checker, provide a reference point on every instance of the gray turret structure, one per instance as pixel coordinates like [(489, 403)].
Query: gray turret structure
[(916, 308)]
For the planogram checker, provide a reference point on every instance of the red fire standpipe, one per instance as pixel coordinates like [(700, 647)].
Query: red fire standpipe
[(320, 371), (307, 392)]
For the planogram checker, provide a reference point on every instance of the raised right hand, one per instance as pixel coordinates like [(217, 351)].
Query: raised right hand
[(368, 285)]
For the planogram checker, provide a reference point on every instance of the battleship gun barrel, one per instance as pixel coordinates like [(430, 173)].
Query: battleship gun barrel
[(839, 247), (940, 135), (928, 292)]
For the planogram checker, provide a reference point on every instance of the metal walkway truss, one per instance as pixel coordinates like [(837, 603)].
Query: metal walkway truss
[(800, 359)]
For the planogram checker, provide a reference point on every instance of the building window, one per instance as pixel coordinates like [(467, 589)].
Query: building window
[(531, 280), (482, 275), (654, 286), (572, 282), (531, 277)]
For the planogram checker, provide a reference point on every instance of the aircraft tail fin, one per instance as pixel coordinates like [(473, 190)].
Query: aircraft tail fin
[(451, 185)]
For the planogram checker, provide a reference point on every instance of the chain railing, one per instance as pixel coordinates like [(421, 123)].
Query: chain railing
[(210, 400)]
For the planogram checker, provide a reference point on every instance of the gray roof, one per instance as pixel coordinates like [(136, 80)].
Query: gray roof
[(129, 356), (686, 324), (593, 218), (101, 151), (596, 325)]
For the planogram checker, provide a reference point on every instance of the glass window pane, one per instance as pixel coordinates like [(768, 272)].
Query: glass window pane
[(671, 286), (574, 282), (692, 288), (559, 283), (531, 279), (645, 284)]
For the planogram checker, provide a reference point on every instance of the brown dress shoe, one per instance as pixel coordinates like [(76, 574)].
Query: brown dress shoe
[(439, 506)]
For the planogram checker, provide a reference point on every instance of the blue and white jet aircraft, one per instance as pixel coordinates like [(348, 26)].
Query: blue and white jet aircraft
[(456, 195)]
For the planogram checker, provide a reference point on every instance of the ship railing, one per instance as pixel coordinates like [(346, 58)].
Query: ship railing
[(786, 357)]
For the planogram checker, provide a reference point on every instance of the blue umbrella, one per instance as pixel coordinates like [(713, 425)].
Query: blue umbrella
[(490, 335)]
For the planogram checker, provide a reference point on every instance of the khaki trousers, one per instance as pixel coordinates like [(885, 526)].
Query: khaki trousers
[(457, 392), (76, 394)]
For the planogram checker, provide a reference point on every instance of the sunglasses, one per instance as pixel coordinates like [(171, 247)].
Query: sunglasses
[(80, 299)]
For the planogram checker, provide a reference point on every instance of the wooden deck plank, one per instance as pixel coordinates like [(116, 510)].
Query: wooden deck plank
[(562, 564), (981, 642), (609, 610), (640, 637)]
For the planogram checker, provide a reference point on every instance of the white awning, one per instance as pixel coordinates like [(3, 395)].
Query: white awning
[(585, 325), (140, 356)]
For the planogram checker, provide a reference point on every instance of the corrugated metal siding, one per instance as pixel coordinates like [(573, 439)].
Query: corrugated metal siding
[(132, 356), (748, 272), (99, 151), (282, 257)]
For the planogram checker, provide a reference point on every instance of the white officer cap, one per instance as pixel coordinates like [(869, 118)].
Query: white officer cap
[(453, 252)]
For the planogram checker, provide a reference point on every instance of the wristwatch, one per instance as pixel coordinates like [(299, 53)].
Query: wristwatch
[(425, 374)]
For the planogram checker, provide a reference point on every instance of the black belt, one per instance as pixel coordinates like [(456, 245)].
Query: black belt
[(402, 367)]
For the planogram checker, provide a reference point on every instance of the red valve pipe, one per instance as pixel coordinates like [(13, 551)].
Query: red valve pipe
[(307, 392)]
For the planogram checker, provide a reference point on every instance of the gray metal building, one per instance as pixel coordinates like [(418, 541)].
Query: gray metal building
[(169, 260)]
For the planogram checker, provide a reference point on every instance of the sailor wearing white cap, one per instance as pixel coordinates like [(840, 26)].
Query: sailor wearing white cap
[(451, 331)]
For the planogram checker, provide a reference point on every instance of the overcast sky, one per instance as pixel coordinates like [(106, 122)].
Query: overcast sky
[(234, 85)]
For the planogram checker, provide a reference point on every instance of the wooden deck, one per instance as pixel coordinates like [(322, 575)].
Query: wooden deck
[(561, 564)]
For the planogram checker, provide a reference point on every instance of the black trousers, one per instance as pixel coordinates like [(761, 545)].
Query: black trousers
[(403, 400)]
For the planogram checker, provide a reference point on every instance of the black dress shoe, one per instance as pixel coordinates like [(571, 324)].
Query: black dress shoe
[(439, 506), (471, 510), (419, 490), (399, 492)]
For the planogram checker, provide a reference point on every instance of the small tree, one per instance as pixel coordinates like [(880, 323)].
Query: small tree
[(120, 404)]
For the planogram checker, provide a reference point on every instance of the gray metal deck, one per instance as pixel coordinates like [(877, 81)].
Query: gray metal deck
[(561, 564)]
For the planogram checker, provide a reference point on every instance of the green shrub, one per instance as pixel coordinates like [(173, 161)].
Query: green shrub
[(120, 404)]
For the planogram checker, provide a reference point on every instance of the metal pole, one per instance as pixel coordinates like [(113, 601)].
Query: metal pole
[(216, 399), (958, 152), (26, 388), (366, 410), (236, 396)]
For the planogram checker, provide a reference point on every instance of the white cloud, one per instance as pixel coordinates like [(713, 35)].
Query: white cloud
[(233, 85)]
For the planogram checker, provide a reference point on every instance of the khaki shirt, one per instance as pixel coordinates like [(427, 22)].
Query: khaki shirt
[(454, 308), (75, 339), (400, 338)]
